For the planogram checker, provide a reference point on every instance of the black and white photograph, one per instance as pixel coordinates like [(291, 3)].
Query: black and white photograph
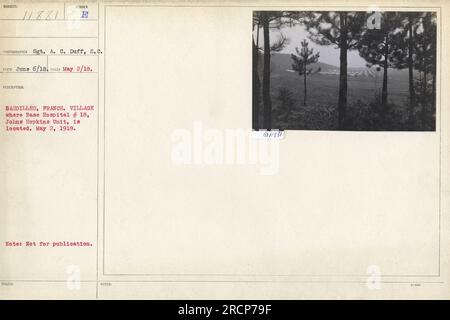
[(342, 70), (225, 158)]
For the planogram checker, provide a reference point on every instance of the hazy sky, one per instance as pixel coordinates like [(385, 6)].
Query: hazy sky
[(328, 54)]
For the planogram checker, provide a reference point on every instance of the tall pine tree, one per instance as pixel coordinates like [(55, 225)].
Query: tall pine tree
[(305, 56), (343, 29), (378, 46), (269, 20)]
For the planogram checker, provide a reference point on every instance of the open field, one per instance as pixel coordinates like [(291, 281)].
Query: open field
[(364, 86), (323, 87)]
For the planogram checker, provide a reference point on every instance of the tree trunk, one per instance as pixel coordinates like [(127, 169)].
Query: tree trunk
[(266, 77), (433, 72), (256, 89), (433, 99), (412, 95), (384, 90), (424, 83), (385, 78), (304, 86), (342, 104), (424, 92)]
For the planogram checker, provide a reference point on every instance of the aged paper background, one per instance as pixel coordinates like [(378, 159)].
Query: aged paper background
[(340, 204)]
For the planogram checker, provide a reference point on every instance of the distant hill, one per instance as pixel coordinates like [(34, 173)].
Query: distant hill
[(282, 62)]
